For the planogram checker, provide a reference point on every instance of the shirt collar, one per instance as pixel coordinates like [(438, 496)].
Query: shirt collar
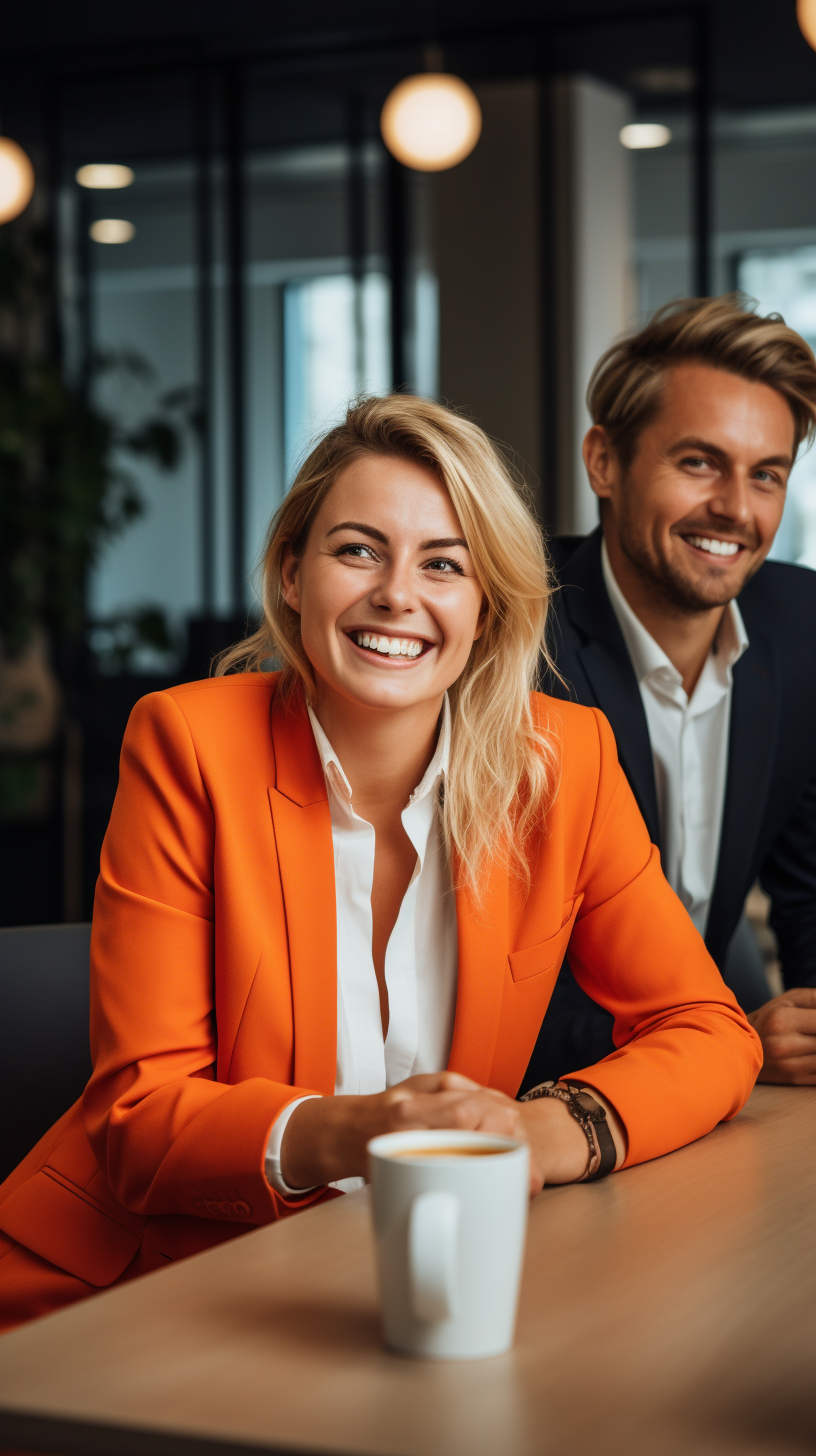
[(437, 768), (647, 655)]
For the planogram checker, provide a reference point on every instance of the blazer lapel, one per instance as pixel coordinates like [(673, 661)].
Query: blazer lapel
[(751, 751), (607, 667), (302, 820), (483, 942)]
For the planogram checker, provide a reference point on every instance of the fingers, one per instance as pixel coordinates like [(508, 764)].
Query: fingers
[(790, 1072), (799, 996), (432, 1082), (473, 1109)]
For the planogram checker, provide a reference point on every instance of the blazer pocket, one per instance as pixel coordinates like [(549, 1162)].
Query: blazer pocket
[(68, 1226), (548, 954)]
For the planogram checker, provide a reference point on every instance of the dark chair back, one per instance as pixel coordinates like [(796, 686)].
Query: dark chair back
[(45, 1058)]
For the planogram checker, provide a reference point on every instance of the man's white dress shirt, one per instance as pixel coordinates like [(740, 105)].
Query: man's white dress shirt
[(689, 738), (421, 960)]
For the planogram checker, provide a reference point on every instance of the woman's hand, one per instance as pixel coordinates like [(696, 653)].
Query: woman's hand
[(326, 1137)]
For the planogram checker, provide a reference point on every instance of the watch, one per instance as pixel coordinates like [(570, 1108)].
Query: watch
[(591, 1115)]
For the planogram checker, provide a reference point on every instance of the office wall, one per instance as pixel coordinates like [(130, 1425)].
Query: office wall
[(486, 245), (593, 302)]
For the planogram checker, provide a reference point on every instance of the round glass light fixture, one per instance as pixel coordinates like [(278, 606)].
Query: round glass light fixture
[(806, 15), (431, 121), (111, 230), (16, 180), (639, 136), (107, 175)]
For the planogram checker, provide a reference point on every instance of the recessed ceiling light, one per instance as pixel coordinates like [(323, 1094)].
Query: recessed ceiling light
[(108, 175), (111, 230), (640, 135), (431, 121), (665, 80)]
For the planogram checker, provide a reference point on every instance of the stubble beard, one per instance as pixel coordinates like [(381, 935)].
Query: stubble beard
[(666, 582)]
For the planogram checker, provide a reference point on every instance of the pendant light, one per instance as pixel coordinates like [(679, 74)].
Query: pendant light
[(806, 15), (431, 121), (16, 180)]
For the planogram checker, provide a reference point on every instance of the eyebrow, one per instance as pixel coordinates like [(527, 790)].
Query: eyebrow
[(707, 448), (440, 544)]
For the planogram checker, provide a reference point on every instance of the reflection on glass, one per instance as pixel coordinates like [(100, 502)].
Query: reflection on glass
[(785, 282), (336, 345)]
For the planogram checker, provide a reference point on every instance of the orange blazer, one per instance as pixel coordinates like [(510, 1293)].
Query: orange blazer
[(213, 978)]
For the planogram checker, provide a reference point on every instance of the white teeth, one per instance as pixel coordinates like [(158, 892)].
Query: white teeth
[(388, 646), (713, 546)]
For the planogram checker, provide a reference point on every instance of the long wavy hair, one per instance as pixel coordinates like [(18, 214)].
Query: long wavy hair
[(504, 761)]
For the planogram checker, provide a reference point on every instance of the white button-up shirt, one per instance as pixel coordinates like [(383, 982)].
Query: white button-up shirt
[(689, 738), (421, 959)]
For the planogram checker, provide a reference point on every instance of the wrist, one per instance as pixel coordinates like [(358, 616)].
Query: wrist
[(557, 1142), (325, 1139)]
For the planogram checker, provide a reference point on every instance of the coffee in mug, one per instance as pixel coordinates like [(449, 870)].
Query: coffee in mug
[(450, 1218)]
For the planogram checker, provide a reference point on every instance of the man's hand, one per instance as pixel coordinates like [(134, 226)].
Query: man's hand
[(787, 1029)]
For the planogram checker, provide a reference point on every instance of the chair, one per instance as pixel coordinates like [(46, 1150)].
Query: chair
[(45, 1058)]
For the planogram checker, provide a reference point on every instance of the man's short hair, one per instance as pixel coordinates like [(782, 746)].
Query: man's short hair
[(626, 387)]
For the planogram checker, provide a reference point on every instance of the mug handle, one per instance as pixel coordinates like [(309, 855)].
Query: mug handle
[(433, 1228)]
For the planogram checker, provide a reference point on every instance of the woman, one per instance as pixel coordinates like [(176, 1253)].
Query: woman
[(333, 900)]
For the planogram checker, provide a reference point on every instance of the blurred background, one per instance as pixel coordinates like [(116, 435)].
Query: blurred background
[(174, 333)]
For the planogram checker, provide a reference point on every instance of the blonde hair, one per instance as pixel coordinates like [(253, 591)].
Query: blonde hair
[(626, 387), (503, 764)]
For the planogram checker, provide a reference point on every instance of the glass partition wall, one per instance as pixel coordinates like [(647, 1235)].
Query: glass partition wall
[(269, 261)]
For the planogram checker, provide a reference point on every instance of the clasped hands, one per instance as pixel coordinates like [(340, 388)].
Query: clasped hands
[(326, 1137)]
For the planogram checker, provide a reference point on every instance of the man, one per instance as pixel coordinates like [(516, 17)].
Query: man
[(702, 658)]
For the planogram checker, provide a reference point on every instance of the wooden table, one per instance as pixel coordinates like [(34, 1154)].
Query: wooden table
[(667, 1311)]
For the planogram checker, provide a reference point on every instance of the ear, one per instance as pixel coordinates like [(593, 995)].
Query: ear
[(290, 582), (600, 460)]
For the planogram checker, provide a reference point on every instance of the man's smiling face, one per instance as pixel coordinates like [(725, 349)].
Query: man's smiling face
[(695, 511)]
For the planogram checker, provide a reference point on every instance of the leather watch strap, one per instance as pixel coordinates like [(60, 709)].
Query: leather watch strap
[(591, 1116), (596, 1113)]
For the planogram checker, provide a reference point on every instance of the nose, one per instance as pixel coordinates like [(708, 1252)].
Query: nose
[(395, 590), (731, 499)]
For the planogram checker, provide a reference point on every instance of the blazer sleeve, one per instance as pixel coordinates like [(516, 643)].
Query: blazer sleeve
[(686, 1056), (170, 1139)]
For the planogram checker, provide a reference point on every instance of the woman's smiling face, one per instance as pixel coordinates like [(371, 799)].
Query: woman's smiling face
[(388, 600)]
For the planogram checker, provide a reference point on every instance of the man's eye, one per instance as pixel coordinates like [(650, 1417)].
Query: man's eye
[(697, 462)]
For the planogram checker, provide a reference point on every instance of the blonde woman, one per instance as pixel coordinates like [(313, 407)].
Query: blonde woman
[(334, 899)]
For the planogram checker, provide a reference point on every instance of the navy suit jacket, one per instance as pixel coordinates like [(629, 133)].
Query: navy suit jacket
[(769, 814)]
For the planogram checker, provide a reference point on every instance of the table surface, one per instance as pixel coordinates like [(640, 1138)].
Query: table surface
[(670, 1309)]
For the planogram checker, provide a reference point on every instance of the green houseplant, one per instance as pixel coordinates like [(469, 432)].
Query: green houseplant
[(65, 492)]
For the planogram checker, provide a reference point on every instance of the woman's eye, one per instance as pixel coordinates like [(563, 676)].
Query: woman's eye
[(357, 550), (445, 565)]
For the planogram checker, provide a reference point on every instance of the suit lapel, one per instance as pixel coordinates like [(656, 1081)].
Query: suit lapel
[(751, 751), (483, 938), (607, 667), (302, 820)]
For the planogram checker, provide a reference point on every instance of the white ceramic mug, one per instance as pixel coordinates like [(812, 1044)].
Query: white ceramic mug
[(450, 1234)]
